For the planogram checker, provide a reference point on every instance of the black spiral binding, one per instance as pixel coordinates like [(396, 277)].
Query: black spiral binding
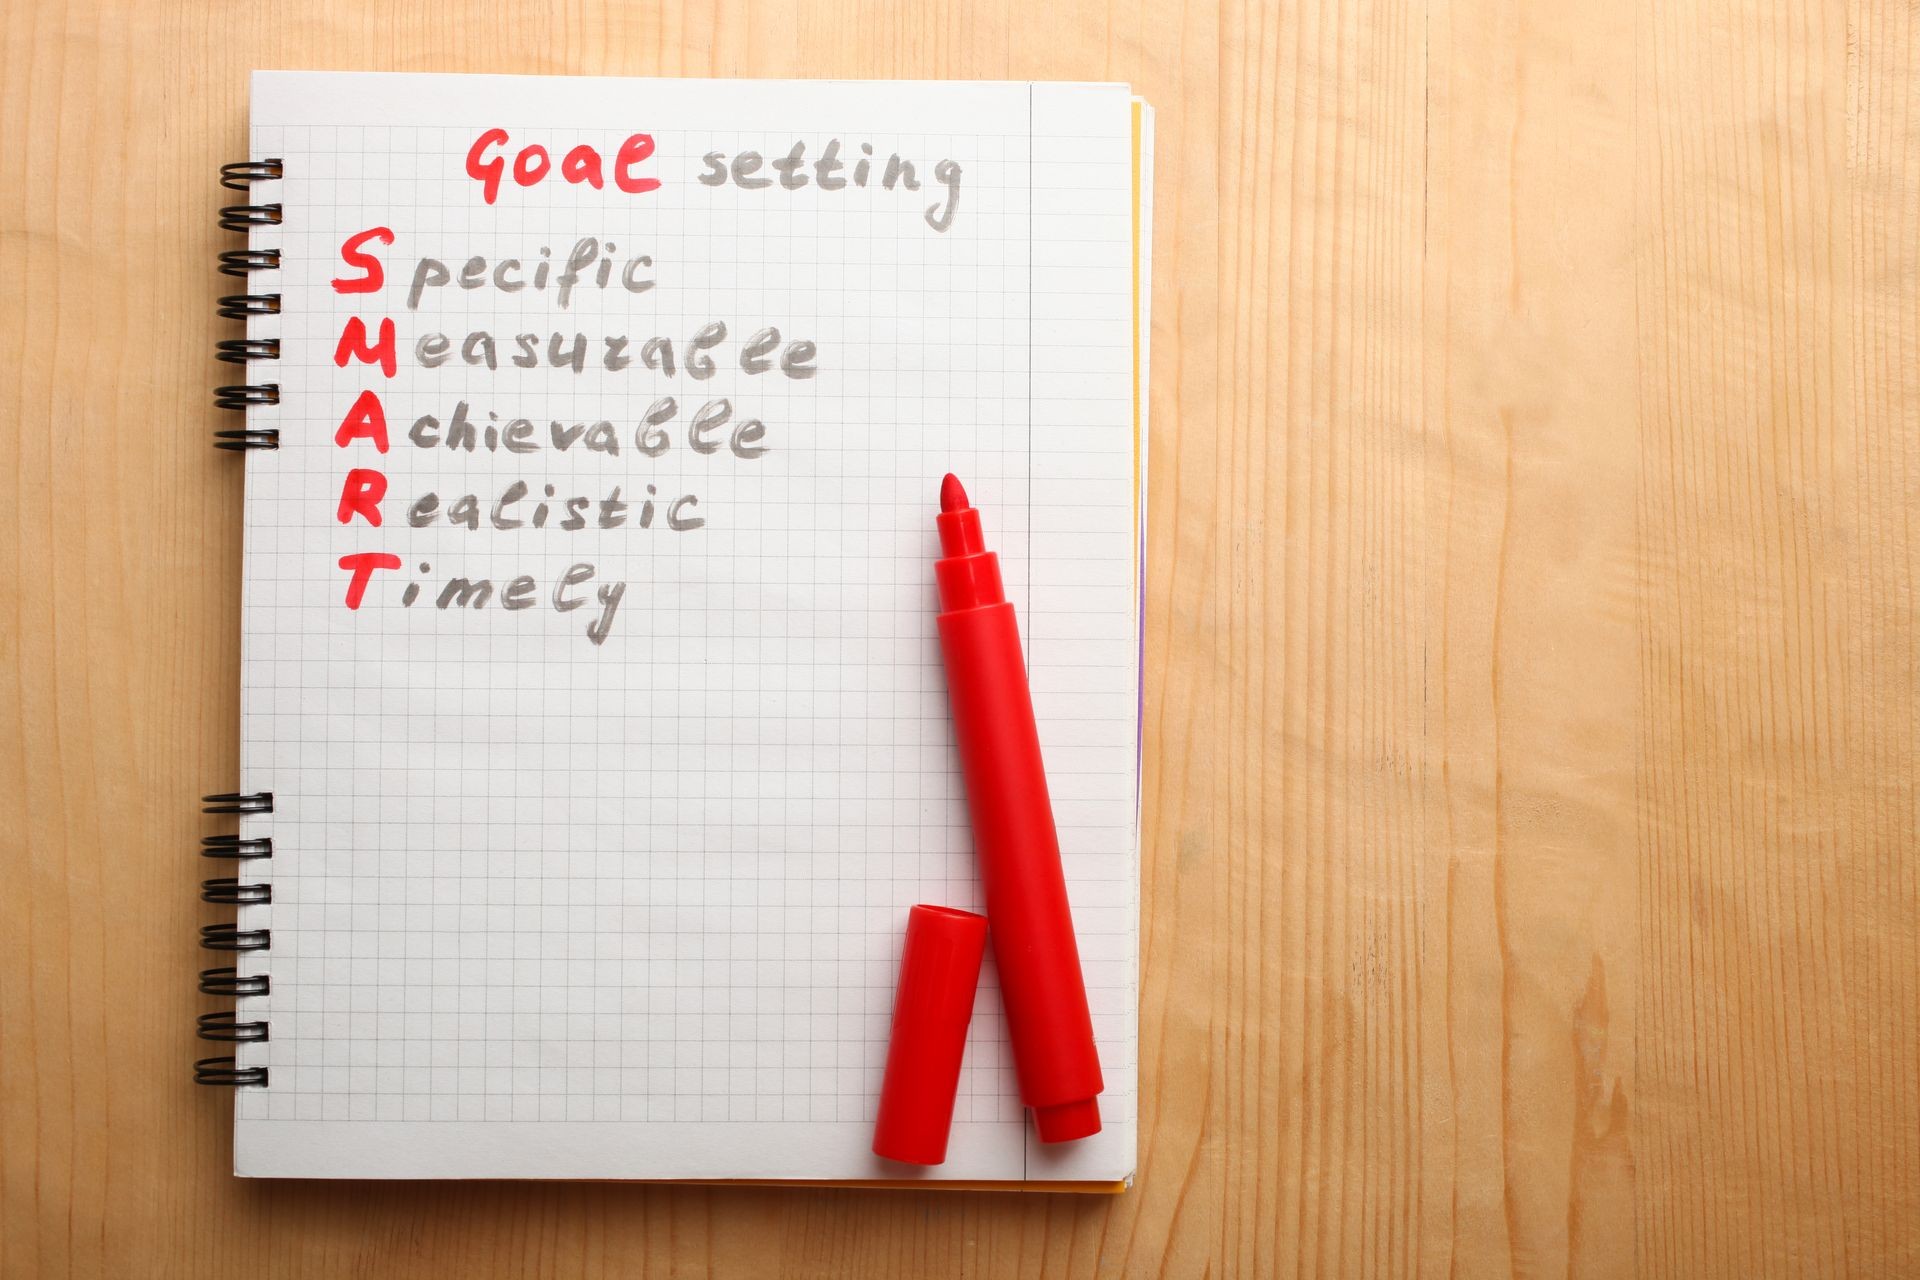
[(236, 848), (237, 892), (245, 217), (224, 1071), (228, 1026), (241, 397), (244, 262), (241, 350), (238, 306), (227, 980), (237, 802), (237, 177)]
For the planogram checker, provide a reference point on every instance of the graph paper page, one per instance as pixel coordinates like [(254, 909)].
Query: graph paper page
[(588, 611)]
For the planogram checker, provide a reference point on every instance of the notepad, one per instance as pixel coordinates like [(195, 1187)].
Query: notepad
[(593, 436)]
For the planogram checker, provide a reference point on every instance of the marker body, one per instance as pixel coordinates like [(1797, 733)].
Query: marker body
[(1013, 831)]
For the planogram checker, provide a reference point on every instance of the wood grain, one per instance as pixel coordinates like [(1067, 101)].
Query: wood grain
[(1531, 882)]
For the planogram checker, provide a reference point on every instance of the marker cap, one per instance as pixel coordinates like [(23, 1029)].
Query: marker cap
[(931, 1008), (1066, 1121)]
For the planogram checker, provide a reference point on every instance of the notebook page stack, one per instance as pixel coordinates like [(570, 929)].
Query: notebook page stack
[(588, 647)]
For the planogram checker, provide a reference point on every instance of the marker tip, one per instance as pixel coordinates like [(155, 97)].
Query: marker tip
[(952, 496)]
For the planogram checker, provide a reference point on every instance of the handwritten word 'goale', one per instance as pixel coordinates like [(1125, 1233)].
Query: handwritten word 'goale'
[(618, 351), (706, 432), (583, 163)]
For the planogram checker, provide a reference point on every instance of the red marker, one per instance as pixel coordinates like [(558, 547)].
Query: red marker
[(1013, 833)]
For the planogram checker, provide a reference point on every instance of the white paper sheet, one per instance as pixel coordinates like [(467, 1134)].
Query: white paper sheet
[(607, 879)]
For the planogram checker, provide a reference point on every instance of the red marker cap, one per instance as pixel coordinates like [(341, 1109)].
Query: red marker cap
[(931, 1008)]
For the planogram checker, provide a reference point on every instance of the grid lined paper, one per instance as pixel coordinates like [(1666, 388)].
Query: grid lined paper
[(551, 908)]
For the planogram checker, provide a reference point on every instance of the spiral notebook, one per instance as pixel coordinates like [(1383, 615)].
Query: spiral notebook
[(594, 739)]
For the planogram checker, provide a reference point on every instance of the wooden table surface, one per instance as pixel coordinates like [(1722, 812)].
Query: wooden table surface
[(1533, 674)]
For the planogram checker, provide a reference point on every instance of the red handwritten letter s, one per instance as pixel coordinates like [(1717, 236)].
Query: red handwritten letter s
[(352, 253)]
